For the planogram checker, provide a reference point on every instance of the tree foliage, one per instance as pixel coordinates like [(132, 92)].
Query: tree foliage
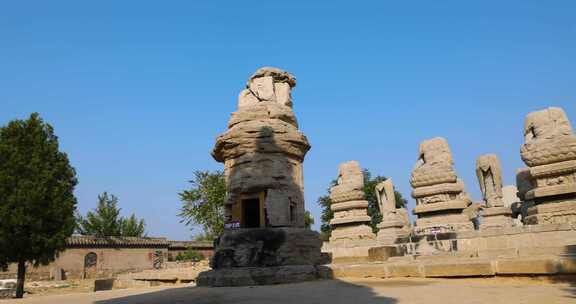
[(370, 183), (37, 202), (203, 203), (190, 255), (105, 220), (308, 219)]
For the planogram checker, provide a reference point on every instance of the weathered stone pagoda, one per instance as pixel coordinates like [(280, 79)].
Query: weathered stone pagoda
[(351, 219), (265, 239), (351, 235), (439, 193), (495, 214), (549, 151)]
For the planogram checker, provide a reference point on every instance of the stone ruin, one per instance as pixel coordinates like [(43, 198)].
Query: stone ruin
[(440, 197), (549, 150), (495, 214), (350, 222), (265, 240), (395, 221), (262, 152)]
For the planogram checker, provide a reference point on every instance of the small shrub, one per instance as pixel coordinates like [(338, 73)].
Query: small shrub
[(190, 255)]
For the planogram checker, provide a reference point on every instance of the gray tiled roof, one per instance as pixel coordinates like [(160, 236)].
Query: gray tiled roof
[(116, 242), (193, 244)]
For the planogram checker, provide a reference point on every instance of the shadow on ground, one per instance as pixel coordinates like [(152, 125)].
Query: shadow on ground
[(326, 291), (568, 265)]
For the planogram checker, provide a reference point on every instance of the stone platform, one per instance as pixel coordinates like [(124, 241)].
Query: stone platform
[(251, 276), (263, 256), (548, 249), (453, 267)]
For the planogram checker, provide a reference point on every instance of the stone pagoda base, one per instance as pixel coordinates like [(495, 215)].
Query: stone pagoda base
[(390, 232), (497, 218), (354, 232), (442, 217), (254, 256), (554, 195), (563, 211), (252, 276)]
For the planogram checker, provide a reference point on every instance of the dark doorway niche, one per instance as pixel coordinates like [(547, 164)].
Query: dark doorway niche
[(251, 213)]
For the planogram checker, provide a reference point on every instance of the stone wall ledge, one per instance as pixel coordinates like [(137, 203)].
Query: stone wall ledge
[(459, 267), (516, 230)]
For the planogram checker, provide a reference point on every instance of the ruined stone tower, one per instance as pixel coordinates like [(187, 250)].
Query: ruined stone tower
[(262, 152), (265, 240)]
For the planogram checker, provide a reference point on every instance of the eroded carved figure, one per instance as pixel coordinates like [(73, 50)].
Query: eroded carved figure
[(489, 175), (385, 196), (395, 221)]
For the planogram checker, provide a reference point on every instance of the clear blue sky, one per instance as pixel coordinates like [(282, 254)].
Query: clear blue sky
[(138, 90)]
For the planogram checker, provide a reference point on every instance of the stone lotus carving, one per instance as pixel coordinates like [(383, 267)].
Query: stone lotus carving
[(434, 164), (548, 138)]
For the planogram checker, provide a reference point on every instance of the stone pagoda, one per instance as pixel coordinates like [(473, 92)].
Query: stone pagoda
[(350, 222), (351, 237), (495, 214), (262, 152), (549, 150), (395, 221), (439, 193)]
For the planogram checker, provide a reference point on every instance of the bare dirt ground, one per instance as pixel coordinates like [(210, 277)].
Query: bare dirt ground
[(382, 291)]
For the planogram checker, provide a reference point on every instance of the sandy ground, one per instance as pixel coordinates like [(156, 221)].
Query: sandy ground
[(429, 291)]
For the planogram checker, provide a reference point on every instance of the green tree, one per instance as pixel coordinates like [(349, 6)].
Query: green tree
[(370, 195), (308, 219), (37, 202), (327, 214), (131, 226), (105, 220), (203, 204), (190, 255)]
